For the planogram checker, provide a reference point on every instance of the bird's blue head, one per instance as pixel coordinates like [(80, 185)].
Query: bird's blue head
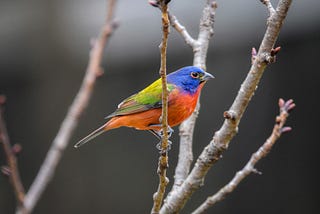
[(189, 78)]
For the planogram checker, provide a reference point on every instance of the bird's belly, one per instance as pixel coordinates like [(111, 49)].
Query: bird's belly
[(141, 121)]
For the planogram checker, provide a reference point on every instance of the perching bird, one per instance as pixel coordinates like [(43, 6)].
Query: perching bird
[(143, 110)]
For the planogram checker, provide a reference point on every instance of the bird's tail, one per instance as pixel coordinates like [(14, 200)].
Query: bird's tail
[(92, 135)]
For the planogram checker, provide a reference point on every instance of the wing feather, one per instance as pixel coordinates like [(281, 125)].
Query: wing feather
[(148, 98)]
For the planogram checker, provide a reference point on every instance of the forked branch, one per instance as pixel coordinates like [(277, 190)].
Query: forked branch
[(278, 129)]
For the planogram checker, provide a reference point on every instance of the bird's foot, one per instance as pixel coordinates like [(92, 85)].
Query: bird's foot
[(162, 150), (169, 131), (159, 134)]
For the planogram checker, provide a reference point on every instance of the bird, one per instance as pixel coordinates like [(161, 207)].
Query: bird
[(143, 110)]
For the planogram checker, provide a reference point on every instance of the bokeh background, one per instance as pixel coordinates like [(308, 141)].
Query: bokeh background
[(44, 50)]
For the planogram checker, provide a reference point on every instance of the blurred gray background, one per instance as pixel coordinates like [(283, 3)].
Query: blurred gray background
[(44, 50)]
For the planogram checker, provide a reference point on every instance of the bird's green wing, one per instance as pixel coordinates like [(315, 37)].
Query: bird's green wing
[(148, 98)]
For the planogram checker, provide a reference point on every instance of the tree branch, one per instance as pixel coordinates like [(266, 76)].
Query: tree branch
[(12, 169), (278, 129), (212, 152), (163, 159), (70, 122), (200, 49)]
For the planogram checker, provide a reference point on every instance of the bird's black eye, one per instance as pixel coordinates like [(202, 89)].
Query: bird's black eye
[(194, 74)]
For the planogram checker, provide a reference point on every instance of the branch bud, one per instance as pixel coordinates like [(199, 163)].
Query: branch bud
[(286, 129), (2, 99), (154, 3), (16, 148), (6, 170)]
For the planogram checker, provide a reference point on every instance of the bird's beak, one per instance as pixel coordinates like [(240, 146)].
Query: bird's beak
[(206, 77)]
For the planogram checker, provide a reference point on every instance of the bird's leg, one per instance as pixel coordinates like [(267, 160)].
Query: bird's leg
[(159, 134), (155, 133)]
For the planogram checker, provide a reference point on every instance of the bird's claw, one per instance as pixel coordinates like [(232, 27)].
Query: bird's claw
[(159, 134), (162, 150), (169, 131)]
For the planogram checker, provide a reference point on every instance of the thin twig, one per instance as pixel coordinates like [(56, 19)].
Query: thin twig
[(205, 34), (70, 122), (163, 159), (278, 129), (212, 152), (13, 171), (182, 30)]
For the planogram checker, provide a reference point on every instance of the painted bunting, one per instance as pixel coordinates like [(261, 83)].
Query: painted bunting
[(143, 110)]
